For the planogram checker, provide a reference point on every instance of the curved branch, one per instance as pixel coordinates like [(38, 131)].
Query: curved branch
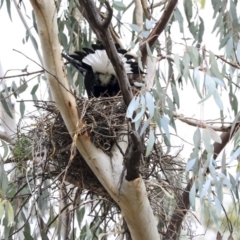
[(158, 29)]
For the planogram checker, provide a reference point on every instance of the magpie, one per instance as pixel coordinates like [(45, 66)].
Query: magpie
[(100, 79)]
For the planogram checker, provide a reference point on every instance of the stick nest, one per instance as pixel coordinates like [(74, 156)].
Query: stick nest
[(55, 154)]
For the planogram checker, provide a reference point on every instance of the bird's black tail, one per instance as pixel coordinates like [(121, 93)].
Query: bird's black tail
[(76, 64)]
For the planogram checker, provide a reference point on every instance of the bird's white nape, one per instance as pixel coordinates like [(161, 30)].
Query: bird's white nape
[(100, 62), (104, 78)]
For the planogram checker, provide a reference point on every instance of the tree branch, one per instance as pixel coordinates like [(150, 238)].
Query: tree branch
[(158, 29), (200, 124)]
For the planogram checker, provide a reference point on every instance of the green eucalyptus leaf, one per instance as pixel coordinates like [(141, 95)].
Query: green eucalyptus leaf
[(22, 108), (151, 141)]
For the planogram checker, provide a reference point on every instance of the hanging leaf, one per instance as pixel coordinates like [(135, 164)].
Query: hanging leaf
[(151, 141), (205, 188), (150, 72), (177, 63), (132, 107), (186, 64), (197, 138), (142, 109), (215, 137), (210, 84), (206, 137), (8, 3), (23, 86), (10, 214), (150, 104), (214, 66), (235, 155), (163, 123), (22, 108), (5, 105), (144, 127), (192, 196), (190, 164), (218, 100), (3, 180), (194, 55), (5, 149), (223, 163), (34, 89), (178, 17), (218, 206), (196, 78)]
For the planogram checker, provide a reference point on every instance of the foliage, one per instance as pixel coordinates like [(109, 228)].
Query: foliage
[(153, 112), (22, 148)]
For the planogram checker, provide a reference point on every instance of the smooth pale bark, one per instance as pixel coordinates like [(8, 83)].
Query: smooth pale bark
[(133, 196)]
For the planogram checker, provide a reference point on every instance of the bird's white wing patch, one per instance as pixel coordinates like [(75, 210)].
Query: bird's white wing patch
[(100, 62)]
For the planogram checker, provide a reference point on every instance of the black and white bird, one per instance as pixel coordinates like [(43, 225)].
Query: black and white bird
[(99, 75)]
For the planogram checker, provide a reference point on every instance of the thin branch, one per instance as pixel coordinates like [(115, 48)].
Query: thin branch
[(45, 70), (160, 26), (226, 61), (29, 32), (200, 124), (4, 136), (22, 75)]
